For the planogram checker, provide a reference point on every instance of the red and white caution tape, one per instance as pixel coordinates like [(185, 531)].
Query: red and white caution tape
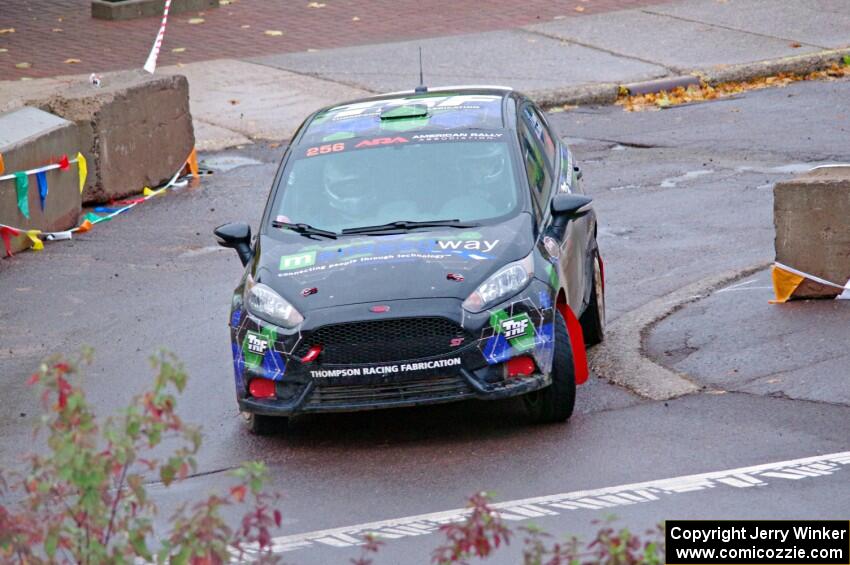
[(150, 64)]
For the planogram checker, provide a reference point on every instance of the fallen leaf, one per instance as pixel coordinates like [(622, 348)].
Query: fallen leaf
[(72, 61), (7, 30), (178, 50), (273, 32), (274, 145), (579, 8), (246, 26), (355, 19), (795, 45), (23, 65), (233, 102), (57, 30), (196, 20), (316, 5)]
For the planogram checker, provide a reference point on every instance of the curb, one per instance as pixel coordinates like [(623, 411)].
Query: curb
[(621, 357), (607, 93)]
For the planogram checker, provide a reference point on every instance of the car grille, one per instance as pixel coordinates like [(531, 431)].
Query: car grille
[(385, 341), (452, 387)]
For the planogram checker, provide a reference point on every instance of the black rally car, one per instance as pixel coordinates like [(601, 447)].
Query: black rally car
[(417, 248)]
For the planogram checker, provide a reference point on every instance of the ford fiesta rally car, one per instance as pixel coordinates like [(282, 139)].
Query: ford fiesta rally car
[(418, 248)]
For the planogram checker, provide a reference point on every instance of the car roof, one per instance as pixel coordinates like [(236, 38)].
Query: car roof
[(447, 108)]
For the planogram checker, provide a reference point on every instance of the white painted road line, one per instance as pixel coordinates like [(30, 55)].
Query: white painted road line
[(603, 498)]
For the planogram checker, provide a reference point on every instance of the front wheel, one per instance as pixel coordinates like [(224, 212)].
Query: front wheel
[(593, 318), (555, 403), (262, 425)]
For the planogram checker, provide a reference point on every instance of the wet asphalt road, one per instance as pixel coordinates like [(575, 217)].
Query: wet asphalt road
[(681, 193)]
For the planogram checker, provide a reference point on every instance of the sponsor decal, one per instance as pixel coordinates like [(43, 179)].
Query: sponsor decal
[(407, 249), (385, 369), (514, 327), (472, 245), (254, 347), (297, 261), (521, 328), (257, 343), (456, 341), (459, 136), (519, 331), (380, 141), (324, 149)]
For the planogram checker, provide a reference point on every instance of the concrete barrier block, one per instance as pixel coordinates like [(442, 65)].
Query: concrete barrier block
[(136, 128), (811, 214), (129, 9), (31, 138)]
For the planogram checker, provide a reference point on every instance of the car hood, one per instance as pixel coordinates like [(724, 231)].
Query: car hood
[(439, 263)]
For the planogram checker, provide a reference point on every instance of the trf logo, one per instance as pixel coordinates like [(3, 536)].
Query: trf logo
[(514, 327), (257, 343)]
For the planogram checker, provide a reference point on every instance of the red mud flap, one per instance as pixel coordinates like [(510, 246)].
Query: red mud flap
[(580, 368)]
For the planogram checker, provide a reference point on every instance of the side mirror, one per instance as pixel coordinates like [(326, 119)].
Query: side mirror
[(236, 235), (566, 207), (571, 205)]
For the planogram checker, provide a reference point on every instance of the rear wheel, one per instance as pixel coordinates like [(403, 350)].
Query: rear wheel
[(593, 318), (262, 425), (555, 402)]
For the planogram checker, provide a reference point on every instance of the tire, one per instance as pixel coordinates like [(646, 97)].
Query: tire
[(593, 318), (555, 403), (262, 425)]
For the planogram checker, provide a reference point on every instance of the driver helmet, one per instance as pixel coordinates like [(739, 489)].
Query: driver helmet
[(345, 186)]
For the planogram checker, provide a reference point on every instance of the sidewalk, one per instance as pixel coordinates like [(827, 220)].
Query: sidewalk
[(48, 32), (794, 350), (260, 89)]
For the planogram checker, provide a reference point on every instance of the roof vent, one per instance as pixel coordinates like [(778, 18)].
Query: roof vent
[(405, 112)]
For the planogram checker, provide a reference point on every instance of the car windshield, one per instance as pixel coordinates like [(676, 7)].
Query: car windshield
[(464, 176)]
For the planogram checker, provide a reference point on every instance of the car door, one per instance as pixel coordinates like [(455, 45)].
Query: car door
[(541, 149)]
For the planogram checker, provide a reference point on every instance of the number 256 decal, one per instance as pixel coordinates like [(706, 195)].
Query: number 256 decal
[(322, 149)]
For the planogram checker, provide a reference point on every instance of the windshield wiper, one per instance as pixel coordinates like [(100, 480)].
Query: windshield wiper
[(305, 229), (408, 225)]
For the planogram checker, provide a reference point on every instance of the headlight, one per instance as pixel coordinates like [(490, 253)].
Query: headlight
[(508, 280), (265, 303)]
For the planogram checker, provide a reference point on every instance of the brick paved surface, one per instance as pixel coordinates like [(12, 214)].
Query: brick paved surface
[(49, 32)]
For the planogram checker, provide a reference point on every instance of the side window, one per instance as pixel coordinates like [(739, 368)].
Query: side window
[(537, 165), (541, 132)]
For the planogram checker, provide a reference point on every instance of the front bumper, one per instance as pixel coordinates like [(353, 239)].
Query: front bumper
[(470, 368)]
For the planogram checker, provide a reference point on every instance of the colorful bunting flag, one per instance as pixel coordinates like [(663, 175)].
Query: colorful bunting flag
[(22, 185), (63, 163), (94, 218), (84, 227), (41, 177), (789, 283), (193, 163), (7, 233), (37, 244), (2, 164), (81, 166)]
